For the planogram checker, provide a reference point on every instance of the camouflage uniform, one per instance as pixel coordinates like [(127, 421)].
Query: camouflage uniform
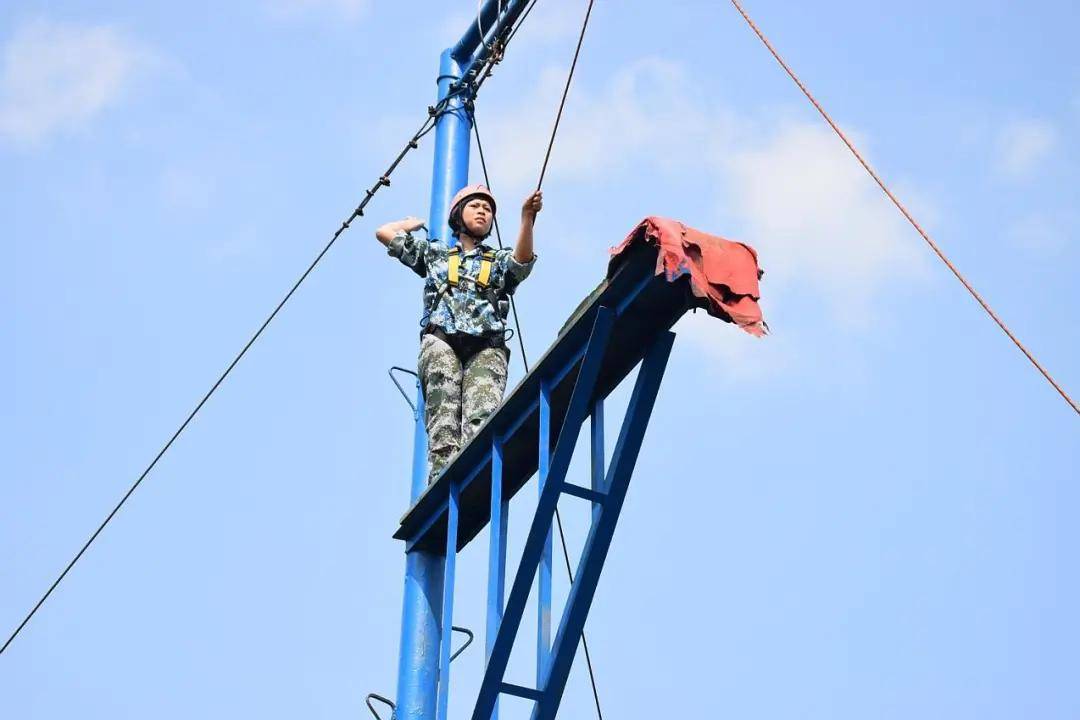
[(461, 389)]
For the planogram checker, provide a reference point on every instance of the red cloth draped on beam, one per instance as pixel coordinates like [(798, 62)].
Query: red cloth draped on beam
[(724, 274)]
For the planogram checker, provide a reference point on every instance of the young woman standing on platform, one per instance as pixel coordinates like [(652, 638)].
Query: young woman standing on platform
[(463, 354)]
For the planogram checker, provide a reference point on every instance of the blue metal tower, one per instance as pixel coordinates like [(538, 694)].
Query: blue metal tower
[(624, 322), (418, 668)]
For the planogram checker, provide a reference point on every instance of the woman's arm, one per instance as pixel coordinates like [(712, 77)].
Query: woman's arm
[(523, 249), (386, 232)]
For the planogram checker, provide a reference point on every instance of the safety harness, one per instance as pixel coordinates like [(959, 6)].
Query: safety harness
[(454, 277), (482, 280)]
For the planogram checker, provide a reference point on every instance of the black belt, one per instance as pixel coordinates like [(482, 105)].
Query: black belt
[(465, 345)]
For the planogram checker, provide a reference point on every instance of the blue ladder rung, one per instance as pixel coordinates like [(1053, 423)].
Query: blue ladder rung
[(584, 493), (522, 692)]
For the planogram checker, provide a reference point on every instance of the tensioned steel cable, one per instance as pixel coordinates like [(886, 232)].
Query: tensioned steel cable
[(513, 305), (498, 237), (521, 21), (525, 363), (498, 46), (429, 124), (904, 211), (551, 142), (566, 91), (384, 180)]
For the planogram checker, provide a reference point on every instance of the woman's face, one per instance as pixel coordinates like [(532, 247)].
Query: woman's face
[(477, 217)]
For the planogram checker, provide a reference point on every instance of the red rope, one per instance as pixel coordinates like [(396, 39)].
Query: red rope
[(902, 209)]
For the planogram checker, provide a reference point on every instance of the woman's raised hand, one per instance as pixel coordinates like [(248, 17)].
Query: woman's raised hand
[(532, 205)]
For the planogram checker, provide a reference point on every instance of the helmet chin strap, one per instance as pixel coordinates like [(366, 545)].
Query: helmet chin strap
[(464, 232)]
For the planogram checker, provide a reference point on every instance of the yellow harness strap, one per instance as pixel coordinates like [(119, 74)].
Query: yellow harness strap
[(453, 274), (454, 259), (485, 270)]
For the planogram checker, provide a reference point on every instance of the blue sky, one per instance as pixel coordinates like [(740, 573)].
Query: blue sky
[(869, 513)]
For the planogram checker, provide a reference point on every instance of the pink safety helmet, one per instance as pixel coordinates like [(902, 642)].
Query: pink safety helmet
[(464, 195)]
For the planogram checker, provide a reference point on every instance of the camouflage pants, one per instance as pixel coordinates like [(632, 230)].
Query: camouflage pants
[(458, 397)]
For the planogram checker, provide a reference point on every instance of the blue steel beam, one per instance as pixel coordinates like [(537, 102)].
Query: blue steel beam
[(580, 402), (646, 303), (552, 682), (597, 452), (418, 669), (421, 626), (496, 553), (448, 607), (421, 605), (423, 597), (450, 172), (519, 691), (470, 39), (543, 591), (597, 498), (603, 528), (470, 51)]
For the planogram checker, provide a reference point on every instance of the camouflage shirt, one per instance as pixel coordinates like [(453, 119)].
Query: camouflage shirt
[(467, 308)]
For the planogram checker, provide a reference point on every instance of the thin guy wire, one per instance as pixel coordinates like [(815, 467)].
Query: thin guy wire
[(498, 237), (566, 91), (494, 58), (521, 21), (384, 179), (480, 27), (525, 363), (539, 184), (429, 124), (904, 211)]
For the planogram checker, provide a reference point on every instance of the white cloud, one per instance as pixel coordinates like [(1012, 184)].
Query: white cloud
[(744, 358), (821, 223), (551, 21), (600, 131), (348, 10), (823, 229), (1023, 145), (59, 77)]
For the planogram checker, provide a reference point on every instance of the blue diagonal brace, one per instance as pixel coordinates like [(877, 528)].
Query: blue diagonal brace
[(603, 528), (580, 402)]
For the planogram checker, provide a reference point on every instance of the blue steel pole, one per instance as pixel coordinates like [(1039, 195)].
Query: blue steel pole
[(418, 670), (451, 170), (543, 593), (496, 554), (421, 632)]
